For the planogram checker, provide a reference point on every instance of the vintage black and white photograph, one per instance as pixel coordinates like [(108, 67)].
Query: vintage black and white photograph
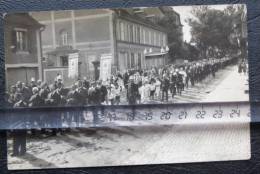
[(126, 56), (129, 56)]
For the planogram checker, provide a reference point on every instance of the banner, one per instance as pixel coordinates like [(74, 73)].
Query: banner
[(105, 66), (73, 71)]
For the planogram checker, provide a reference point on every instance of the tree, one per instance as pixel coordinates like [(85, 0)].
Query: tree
[(174, 31), (213, 31)]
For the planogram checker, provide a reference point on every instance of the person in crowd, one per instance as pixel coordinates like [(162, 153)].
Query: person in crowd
[(103, 92), (132, 93), (91, 94), (157, 88), (179, 81), (111, 94), (19, 136), (145, 92), (173, 82), (118, 90), (183, 74), (33, 83), (126, 79), (35, 101), (165, 88), (152, 88), (54, 100)]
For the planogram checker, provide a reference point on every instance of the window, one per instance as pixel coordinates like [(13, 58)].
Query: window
[(160, 40), (164, 40), (125, 32), (128, 33), (157, 39), (122, 31), (138, 34), (131, 33), (154, 38), (143, 35), (146, 36), (132, 60), (64, 61), (118, 31), (63, 37), (128, 61), (139, 61), (134, 33), (150, 38), (21, 40)]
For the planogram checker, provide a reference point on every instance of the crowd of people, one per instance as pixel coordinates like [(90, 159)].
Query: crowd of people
[(131, 87), (156, 84)]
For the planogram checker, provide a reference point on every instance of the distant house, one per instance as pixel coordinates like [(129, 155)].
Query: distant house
[(22, 36), (106, 41)]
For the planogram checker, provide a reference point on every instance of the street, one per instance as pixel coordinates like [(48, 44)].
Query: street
[(136, 145), (227, 86)]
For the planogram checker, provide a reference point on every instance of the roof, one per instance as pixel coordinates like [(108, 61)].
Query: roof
[(22, 19), (130, 15), (148, 16)]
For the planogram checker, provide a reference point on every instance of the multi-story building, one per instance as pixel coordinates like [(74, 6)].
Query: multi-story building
[(105, 40), (22, 36)]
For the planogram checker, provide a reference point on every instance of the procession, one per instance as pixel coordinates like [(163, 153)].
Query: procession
[(156, 85), (132, 87)]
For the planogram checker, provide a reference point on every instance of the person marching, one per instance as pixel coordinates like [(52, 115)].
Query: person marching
[(165, 87), (173, 82), (179, 81)]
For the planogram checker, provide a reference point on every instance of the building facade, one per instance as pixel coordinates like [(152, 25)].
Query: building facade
[(106, 41), (22, 36)]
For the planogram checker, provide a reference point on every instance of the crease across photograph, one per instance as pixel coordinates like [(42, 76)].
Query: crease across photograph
[(122, 57)]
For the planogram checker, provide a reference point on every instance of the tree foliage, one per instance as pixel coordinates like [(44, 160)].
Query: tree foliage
[(216, 32), (174, 31)]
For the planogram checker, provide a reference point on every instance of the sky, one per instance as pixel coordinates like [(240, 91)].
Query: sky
[(185, 12)]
